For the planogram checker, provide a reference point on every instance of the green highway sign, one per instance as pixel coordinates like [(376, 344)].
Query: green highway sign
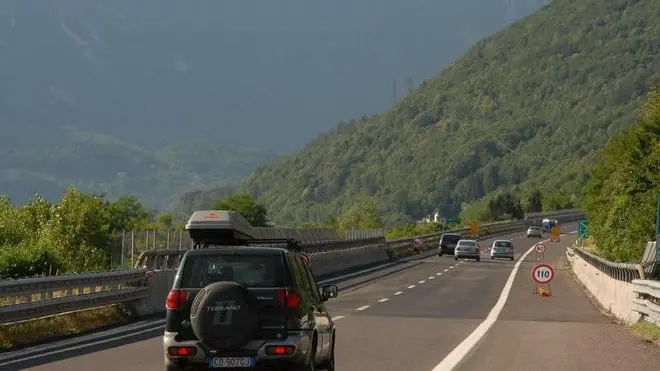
[(453, 220), (583, 229)]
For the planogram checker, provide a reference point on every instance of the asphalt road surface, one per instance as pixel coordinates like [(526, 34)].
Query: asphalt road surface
[(413, 315)]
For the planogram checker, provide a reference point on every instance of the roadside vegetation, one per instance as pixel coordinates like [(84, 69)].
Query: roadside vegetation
[(620, 196)]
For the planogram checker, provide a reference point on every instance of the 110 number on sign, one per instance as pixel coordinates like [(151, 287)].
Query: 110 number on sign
[(543, 273)]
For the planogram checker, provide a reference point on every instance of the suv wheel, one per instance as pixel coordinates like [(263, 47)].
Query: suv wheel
[(330, 364), (312, 361)]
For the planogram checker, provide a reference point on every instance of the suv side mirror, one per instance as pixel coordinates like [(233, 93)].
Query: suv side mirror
[(329, 292)]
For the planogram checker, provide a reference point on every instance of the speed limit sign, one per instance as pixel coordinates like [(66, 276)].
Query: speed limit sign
[(539, 248), (542, 273)]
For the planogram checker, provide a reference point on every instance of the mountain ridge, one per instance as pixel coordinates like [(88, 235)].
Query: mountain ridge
[(525, 108)]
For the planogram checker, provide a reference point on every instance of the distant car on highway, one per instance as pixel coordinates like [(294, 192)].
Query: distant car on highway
[(237, 302), (534, 231), (448, 243), (467, 249), (502, 249)]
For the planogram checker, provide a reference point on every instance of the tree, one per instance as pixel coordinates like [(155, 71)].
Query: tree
[(534, 202), (620, 194), (165, 221), (363, 215), (126, 213), (245, 205)]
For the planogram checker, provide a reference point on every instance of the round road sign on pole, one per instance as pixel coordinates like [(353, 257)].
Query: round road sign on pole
[(417, 242), (543, 273), (539, 248)]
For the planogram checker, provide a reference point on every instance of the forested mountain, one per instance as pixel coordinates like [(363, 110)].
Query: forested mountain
[(92, 91), (527, 108)]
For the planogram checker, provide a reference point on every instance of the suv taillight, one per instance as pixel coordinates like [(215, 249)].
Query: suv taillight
[(175, 299), (289, 298)]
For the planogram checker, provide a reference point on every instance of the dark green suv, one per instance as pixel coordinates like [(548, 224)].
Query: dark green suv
[(241, 302)]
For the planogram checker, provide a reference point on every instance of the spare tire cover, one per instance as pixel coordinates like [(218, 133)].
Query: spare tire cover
[(224, 315)]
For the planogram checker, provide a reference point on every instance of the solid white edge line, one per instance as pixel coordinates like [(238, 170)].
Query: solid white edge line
[(85, 340), (454, 359), (85, 345)]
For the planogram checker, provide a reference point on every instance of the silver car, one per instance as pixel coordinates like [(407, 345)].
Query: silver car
[(502, 249), (467, 249), (534, 231)]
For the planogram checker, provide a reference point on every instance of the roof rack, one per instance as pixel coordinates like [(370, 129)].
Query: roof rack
[(229, 228)]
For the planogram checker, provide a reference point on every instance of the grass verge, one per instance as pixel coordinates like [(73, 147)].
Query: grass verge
[(40, 330), (647, 331)]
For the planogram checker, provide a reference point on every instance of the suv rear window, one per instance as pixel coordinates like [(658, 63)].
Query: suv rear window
[(251, 270), (502, 244), (450, 238)]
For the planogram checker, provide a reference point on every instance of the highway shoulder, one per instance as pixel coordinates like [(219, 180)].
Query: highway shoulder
[(562, 332)]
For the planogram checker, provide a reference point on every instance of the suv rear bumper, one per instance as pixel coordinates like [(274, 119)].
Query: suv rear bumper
[(302, 340), (446, 250)]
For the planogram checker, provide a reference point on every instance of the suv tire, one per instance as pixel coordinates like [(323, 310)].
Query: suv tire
[(228, 330), (330, 364)]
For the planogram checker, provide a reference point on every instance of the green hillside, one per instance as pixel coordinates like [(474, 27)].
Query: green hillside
[(526, 107)]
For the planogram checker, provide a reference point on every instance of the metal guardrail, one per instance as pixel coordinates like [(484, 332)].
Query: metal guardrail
[(169, 259), (38, 297), (626, 272), (31, 298), (647, 302)]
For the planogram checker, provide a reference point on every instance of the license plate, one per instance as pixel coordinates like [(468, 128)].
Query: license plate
[(232, 362)]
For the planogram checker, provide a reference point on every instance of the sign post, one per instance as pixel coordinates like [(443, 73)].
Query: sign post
[(539, 249), (542, 274)]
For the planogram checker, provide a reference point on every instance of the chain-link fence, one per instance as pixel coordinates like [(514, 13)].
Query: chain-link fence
[(129, 244)]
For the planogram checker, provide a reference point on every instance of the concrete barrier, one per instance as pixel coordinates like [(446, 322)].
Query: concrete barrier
[(328, 263), (614, 295)]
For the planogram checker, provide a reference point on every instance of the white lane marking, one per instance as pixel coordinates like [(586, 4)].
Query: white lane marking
[(431, 277), (411, 286), (398, 293), (421, 281), (452, 267), (445, 270), (439, 274), (81, 346), (383, 300), (363, 307), (338, 318), (454, 359)]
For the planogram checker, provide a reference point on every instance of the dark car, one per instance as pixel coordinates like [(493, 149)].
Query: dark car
[(448, 243), (242, 302)]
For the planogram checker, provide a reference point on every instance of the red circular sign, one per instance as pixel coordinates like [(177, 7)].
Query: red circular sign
[(543, 273)]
